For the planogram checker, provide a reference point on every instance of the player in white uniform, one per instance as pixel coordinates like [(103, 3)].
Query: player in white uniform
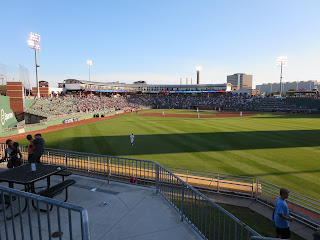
[(132, 139)]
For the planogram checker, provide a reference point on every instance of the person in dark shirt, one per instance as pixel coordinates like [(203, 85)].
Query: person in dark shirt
[(15, 156), (30, 147), (7, 151), (39, 144)]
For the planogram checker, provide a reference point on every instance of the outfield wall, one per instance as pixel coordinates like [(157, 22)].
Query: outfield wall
[(13, 130), (7, 118)]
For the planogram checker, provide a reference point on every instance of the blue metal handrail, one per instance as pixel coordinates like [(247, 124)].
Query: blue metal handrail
[(22, 228)]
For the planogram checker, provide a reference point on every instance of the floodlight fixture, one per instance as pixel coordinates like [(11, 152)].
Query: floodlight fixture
[(282, 61), (35, 37), (34, 43), (89, 63)]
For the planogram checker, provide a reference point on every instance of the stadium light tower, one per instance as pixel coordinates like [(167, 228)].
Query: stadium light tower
[(198, 68), (282, 61), (89, 62), (34, 43)]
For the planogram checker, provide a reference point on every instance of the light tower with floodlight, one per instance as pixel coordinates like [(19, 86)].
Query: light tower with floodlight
[(89, 62), (282, 61), (198, 68), (34, 43)]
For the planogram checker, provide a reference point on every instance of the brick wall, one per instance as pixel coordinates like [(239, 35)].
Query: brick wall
[(15, 92)]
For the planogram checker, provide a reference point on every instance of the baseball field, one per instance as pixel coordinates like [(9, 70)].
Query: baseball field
[(283, 149)]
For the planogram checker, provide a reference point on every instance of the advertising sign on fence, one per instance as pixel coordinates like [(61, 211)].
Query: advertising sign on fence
[(7, 118)]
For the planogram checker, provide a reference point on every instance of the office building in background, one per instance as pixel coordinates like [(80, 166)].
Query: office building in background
[(241, 80)]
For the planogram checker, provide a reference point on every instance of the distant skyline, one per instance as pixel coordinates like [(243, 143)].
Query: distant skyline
[(163, 41)]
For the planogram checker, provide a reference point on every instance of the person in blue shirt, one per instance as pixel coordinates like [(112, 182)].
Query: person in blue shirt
[(281, 215)]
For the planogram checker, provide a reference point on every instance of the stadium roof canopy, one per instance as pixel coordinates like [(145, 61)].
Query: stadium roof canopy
[(70, 81)]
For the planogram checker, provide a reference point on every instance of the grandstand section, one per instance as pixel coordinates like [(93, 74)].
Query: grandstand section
[(291, 105), (76, 104)]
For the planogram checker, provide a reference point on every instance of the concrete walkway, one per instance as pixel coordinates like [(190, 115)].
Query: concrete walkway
[(132, 212)]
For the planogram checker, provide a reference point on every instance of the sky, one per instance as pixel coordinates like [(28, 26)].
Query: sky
[(162, 41)]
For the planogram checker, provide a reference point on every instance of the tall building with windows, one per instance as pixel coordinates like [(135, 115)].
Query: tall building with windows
[(268, 88), (241, 80)]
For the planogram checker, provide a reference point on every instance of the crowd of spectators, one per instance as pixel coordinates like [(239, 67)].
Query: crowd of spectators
[(189, 101), (70, 104)]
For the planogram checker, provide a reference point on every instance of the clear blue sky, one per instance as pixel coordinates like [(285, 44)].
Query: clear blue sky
[(161, 41)]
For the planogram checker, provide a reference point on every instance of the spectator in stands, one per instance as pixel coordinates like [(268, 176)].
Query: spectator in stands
[(7, 151), (30, 147), (39, 144), (15, 156), (281, 215)]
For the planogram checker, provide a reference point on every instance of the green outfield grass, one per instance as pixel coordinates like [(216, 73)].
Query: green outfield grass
[(280, 148)]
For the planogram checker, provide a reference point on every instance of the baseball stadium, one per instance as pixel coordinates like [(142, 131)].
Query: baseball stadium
[(213, 159)]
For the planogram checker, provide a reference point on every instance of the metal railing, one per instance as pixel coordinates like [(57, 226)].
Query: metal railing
[(174, 185), (218, 182), (206, 217), (71, 220), (302, 208), (263, 238)]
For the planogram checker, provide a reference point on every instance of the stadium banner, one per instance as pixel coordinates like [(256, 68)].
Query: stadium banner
[(7, 118), (129, 91), (107, 91), (190, 91)]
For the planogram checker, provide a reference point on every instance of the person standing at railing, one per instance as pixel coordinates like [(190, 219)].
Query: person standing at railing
[(39, 144), (30, 147), (281, 215), (15, 156)]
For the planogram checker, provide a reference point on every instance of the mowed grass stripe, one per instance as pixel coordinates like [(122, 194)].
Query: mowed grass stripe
[(286, 123), (273, 171), (262, 165), (195, 150), (237, 167)]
